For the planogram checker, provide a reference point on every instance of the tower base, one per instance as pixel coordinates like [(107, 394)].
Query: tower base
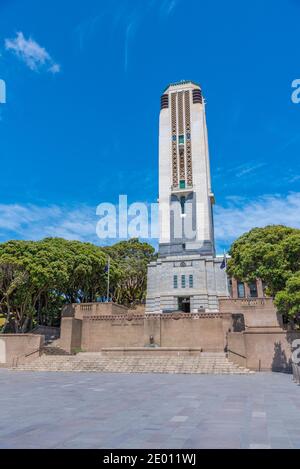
[(188, 283)]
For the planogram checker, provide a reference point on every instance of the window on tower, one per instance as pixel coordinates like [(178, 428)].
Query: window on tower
[(253, 289), (197, 96), (181, 139), (241, 290), (164, 101), (182, 281), (182, 184), (175, 281)]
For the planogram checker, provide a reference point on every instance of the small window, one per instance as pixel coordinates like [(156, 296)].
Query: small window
[(191, 281), (181, 139), (182, 204), (175, 281), (230, 287), (182, 184), (197, 96), (253, 290), (182, 281), (164, 101), (241, 290)]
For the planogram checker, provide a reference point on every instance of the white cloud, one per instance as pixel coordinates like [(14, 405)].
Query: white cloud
[(244, 170), (124, 19), (34, 222), (55, 68), (237, 217), (30, 52), (167, 6), (240, 215)]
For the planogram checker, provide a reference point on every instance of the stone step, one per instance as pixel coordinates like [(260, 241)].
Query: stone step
[(213, 364), (54, 350)]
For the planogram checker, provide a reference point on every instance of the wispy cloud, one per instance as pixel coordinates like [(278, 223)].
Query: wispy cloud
[(167, 7), (240, 215), (35, 222), (32, 54), (124, 20), (294, 178), (128, 35), (236, 217), (248, 168), (87, 28), (241, 170)]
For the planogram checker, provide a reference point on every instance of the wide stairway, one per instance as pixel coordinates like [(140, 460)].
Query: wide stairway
[(203, 363)]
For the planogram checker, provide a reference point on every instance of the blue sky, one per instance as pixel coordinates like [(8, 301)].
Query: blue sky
[(80, 125)]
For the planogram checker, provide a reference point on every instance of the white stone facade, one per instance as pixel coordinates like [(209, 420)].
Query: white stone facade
[(208, 285), (187, 274), (184, 169)]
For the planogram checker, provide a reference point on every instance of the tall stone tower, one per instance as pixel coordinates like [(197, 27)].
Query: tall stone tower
[(187, 275)]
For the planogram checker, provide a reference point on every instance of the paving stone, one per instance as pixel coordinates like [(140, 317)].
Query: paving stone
[(179, 418), (214, 363), (63, 410), (259, 446)]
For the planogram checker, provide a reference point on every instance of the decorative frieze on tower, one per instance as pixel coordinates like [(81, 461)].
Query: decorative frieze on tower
[(187, 274), (182, 171)]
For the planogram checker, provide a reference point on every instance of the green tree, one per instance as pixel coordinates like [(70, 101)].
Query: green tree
[(13, 280), (273, 255), (288, 300), (38, 277), (131, 259), (44, 270)]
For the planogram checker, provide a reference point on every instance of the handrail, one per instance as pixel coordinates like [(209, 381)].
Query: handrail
[(235, 353), (16, 359)]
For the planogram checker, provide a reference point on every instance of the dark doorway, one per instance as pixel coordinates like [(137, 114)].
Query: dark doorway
[(238, 322), (184, 304)]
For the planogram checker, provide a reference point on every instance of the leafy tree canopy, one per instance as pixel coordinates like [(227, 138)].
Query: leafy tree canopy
[(273, 255), (38, 277)]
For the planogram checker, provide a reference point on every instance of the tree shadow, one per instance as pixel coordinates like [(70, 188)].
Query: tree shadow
[(280, 362)]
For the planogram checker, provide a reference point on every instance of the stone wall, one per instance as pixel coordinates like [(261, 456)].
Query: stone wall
[(257, 312), (93, 326), (70, 334), (236, 348), (19, 348), (201, 330), (108, 325), (263, 344), (262, 350), (101, 332)]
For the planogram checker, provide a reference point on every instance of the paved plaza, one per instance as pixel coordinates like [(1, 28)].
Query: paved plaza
[(83, 410)]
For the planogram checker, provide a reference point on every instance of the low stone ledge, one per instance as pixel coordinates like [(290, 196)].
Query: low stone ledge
[(157, 351)]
